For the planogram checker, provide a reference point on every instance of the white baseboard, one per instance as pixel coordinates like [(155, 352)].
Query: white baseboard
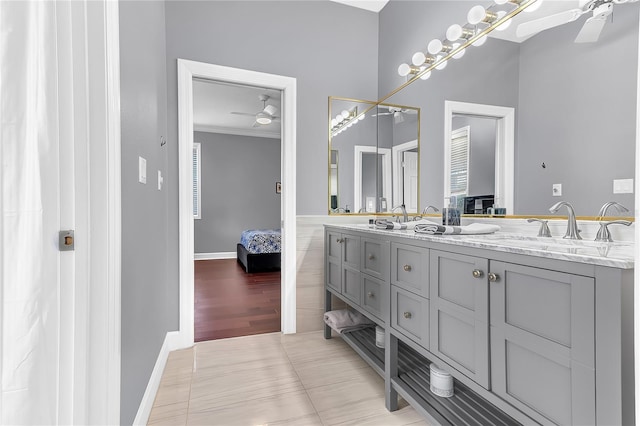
[(212, 256), (171, 342)]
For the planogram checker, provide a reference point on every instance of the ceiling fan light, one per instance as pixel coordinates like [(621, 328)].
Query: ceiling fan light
[(263, 118)]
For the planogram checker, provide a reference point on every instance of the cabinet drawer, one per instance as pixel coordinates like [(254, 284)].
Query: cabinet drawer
[(410, 315), (374, 298), (410, 268), (375, 257)]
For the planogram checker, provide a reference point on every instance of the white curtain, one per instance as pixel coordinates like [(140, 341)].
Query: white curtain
[(29, 314)]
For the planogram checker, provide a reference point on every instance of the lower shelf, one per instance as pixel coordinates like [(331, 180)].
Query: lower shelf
[(465, 407), (364, 343)]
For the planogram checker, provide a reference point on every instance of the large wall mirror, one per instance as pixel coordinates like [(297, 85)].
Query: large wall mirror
[(374, 157), (575, 107)]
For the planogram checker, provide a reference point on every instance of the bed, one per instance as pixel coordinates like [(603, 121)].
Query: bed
[(259, 250)]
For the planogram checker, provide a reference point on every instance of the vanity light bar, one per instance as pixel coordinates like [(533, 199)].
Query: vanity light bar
[(458, 38), (344, 120)]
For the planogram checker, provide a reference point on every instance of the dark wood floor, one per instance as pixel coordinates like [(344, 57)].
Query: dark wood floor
[(231, 303)]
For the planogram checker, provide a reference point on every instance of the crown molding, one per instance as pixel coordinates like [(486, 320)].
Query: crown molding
[(235, 131)]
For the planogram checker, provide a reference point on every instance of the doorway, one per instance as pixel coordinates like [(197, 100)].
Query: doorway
[(237, 152), (187, 72)]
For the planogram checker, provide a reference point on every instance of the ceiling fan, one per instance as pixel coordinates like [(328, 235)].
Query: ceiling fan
[(398, 113), (264, 117), (593, 26)]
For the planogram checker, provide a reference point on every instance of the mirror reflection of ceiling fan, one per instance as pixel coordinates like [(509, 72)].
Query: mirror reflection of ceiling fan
[(264, 117), (398, 113), (593, 26)]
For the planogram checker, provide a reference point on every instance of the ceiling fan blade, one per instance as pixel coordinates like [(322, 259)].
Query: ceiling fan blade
[(533, 27), (591, 30), (243, 113), (270, 110)]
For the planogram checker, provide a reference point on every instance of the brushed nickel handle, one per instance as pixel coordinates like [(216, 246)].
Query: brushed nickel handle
[(493, 277), (407, 268), (371, 256), (407, 315), (477, 273), (370, 294), (340, 240)]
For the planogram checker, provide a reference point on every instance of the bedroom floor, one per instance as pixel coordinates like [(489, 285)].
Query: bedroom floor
[(296, 379), (231, 303)]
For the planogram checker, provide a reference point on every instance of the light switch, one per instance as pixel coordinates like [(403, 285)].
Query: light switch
[(142, 170), (160, 180), (557, 190), (623, 186)]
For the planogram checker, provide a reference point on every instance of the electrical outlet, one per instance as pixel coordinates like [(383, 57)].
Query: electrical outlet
[(623, 186), (557, 190), (142, 170)]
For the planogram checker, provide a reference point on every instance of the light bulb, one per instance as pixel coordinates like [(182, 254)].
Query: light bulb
[(479, 42), (339, 118), (506, 24), (476, 15), (501, 1), (535, 6), (454, 32), (334, 122), (434, 47), (460, 54), (361, 117), (404, 70), (345, 113), (442, 65), (418, 58), (426, 75), (350, 124)]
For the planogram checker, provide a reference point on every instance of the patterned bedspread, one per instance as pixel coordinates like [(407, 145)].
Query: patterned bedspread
[(261, 240)]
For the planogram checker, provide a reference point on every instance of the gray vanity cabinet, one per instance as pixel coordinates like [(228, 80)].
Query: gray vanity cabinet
[(460, 313), (374, 277), (543, 342), (343, 264)]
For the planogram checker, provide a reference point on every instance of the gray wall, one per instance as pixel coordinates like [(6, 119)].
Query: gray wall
[(149, 302), (575, 104), (238, 186), (577, 114), (482, 159)]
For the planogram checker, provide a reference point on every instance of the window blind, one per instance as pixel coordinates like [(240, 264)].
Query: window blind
[(197, 214), (460, 161)]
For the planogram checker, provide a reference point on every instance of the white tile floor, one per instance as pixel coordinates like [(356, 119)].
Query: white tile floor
[(272, 379)]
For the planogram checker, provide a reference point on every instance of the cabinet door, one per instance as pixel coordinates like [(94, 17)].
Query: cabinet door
[(351, 251), (410, 268), (375, 296), (410, 315), (460, 313), (351, 284), (542, 342), (333, 246)]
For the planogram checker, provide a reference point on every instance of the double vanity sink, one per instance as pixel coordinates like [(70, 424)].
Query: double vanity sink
[(533, 329)]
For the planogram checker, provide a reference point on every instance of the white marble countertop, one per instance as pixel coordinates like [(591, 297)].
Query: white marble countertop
[(616, 254)]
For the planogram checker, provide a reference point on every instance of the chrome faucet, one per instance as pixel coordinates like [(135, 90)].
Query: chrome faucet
[(405, 216), (619, 207), (426, 209), (573, 233)]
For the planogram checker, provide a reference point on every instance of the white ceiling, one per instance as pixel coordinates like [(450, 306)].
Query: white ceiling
[(213, 103), (372, 5)]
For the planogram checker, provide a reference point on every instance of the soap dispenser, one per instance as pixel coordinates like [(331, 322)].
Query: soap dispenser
[(451, 214)]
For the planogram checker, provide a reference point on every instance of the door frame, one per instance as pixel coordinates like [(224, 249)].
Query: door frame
[(187, 71), (397, 168), (505, 141)]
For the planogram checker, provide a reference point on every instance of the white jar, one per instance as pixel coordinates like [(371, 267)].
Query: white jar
[(379, 337), (441, 381)]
